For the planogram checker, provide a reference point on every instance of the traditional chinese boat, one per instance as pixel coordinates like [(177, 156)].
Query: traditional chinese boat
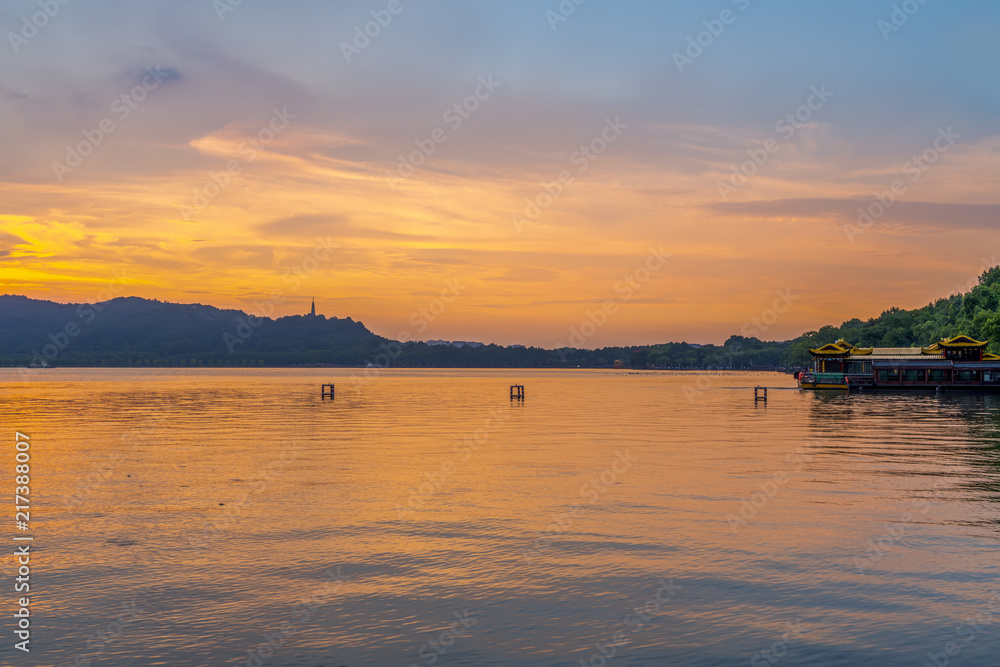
[(957, 363)]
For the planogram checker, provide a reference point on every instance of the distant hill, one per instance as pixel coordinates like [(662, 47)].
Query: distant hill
[(130, 331), (135, 331)]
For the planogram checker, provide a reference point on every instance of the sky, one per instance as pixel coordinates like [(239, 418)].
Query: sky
[(519, 172)]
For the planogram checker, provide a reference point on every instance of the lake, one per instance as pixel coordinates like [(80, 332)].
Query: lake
[(232, 517)]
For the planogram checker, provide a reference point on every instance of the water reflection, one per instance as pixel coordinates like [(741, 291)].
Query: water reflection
[(167, 489)]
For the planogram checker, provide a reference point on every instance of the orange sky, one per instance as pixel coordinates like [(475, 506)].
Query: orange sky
[(326, 172)]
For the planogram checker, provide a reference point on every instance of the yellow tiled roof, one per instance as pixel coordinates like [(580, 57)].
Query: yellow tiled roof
[(962, 341), (844, 349)]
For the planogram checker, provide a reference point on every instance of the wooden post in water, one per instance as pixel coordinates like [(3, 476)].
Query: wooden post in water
[(517, 392), (757, 396), (323, 391)]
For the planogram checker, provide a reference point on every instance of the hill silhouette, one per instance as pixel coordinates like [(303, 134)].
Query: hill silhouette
[(132, 331), (150, 332)]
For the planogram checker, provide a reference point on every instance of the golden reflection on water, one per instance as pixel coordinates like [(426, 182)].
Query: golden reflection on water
[(215, 501)]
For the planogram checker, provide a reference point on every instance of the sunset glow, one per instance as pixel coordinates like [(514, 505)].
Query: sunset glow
[(532, 161)]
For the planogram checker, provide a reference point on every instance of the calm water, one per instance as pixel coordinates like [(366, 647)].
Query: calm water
[(422, 518)]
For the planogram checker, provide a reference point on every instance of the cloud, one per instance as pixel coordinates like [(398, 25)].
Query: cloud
[(309, 227), (236, 255), (163, 74), (596, 301), (925, 214), (304, 226), (528, 275), (12, 239)]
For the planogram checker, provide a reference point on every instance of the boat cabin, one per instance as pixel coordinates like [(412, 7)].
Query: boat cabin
[(959, 362)]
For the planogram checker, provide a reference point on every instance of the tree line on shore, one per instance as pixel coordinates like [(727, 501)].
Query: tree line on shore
[(974, 313)]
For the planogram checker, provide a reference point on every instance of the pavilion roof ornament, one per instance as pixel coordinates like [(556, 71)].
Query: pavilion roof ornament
[(961, 341), (844, 350), (839, 349)]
